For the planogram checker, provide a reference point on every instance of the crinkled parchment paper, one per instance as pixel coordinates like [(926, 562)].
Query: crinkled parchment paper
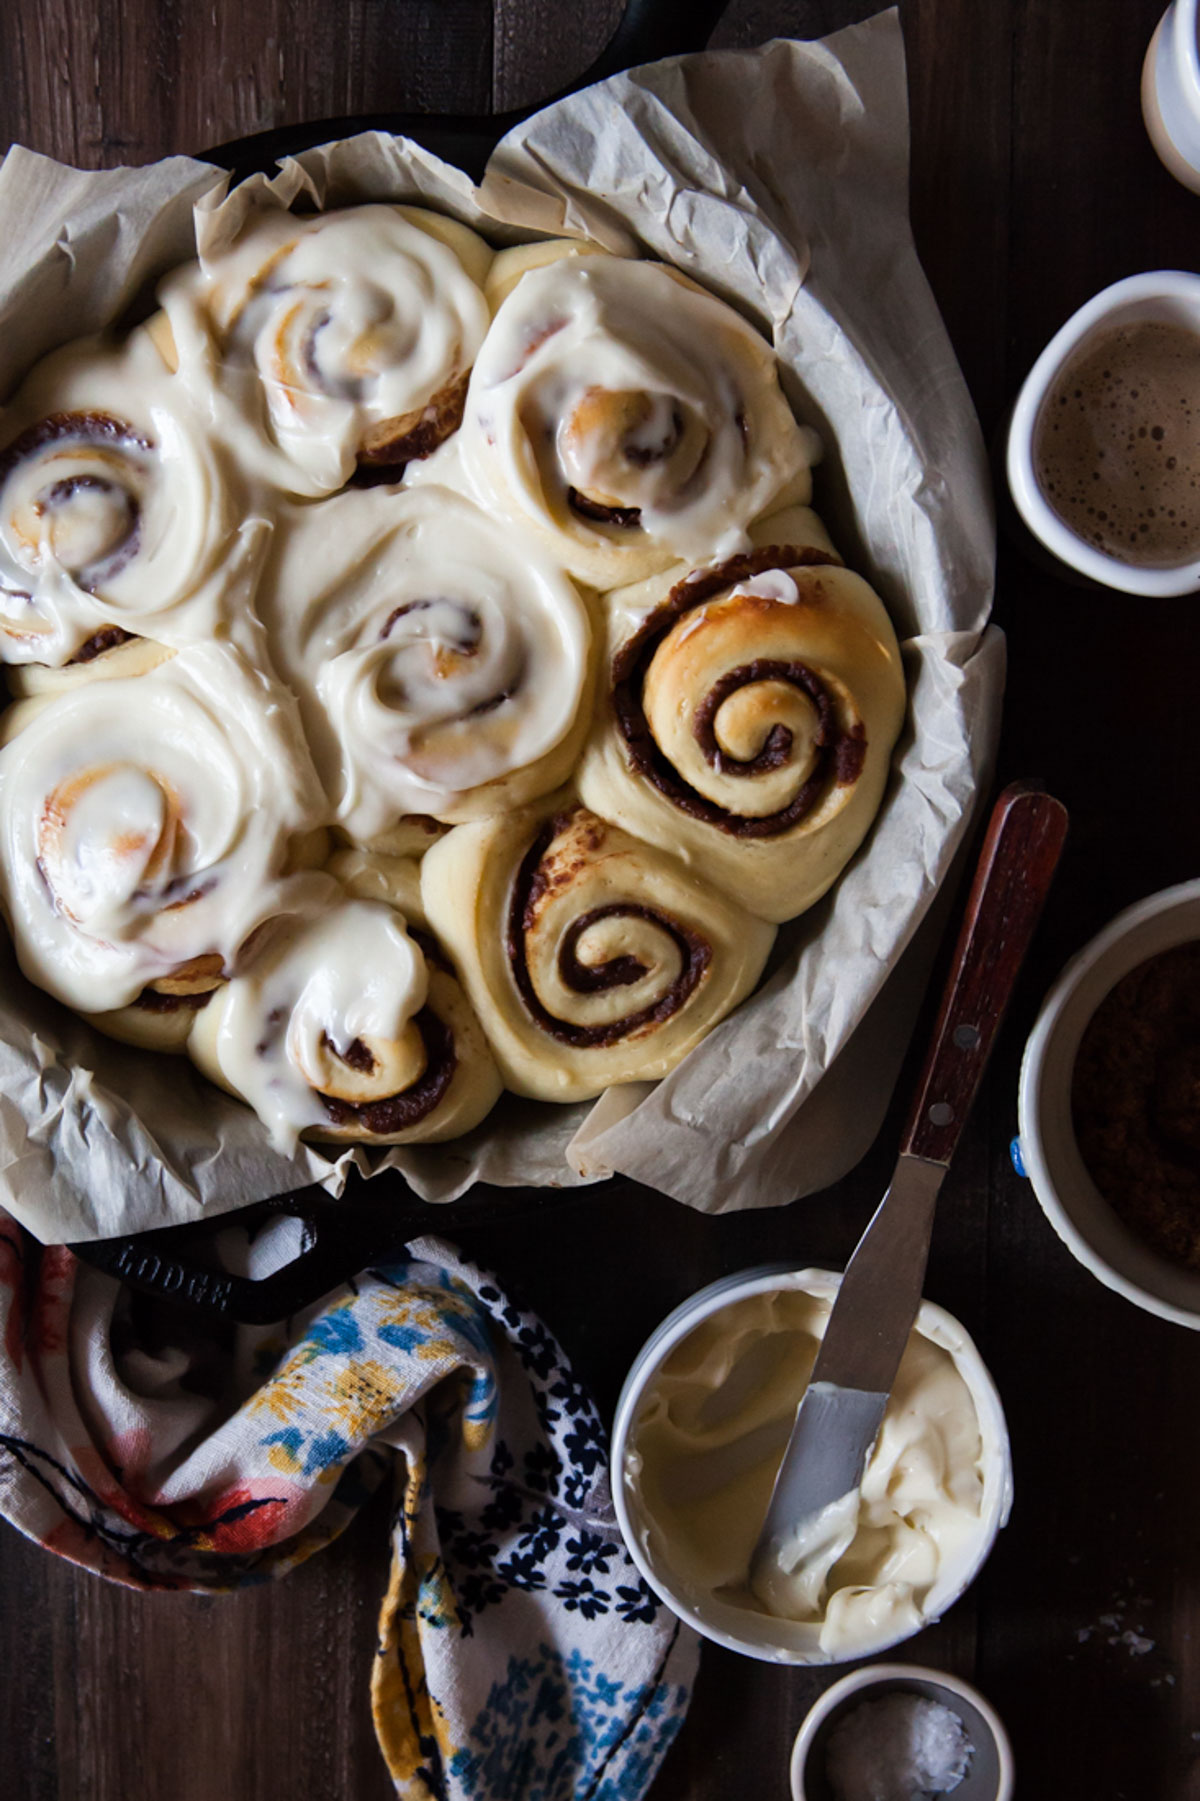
[(779, 178)]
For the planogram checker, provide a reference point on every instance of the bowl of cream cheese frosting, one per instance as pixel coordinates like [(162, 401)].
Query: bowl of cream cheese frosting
[(701, 1427)]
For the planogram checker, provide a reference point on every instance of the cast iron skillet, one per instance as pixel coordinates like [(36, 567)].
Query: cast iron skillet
[(373, 1220)]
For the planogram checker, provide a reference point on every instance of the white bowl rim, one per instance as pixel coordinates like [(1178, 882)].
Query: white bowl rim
[(885, 1675), (757, 1280), (1121, 935), (1185, 44), (1167, 285)]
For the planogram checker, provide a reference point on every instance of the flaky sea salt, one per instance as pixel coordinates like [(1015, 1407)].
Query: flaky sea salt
[(899, 1748)]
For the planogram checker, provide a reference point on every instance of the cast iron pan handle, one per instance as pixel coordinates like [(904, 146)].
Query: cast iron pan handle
[(649, 29), (341, 1237)]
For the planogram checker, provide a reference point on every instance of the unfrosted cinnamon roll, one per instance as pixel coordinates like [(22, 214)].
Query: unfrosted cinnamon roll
[(411, 836), (626, 417), (116, 510), (442, 669), (345, 1027), (749, 714), (592, 959), (378, 876), (147, 826), (508, 266), (343, 337)]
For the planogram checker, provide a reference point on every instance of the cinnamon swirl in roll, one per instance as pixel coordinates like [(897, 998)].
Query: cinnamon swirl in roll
[(117, 511), (346, 1028), (592, 959), (323, 341), (626, 417), (442, 670), (149, 825), (749, 715)]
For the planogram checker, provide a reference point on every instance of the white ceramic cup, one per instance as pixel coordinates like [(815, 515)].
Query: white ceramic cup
[(762, 1635), (1171, 92), (990, 1777), (1069, 1198), (1167, 296)]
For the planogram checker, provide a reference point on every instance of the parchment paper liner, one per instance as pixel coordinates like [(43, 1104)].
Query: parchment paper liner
[(779, 178)]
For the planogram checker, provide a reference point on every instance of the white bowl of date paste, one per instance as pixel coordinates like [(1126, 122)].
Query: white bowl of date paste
[(700, 1429)]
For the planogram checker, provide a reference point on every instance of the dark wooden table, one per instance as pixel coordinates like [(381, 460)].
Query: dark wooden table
[(1033, 185)]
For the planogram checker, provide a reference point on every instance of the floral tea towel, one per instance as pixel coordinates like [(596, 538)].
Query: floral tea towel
[(520, 1654)]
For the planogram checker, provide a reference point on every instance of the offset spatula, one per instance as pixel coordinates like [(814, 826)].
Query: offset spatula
[(813, 1503)]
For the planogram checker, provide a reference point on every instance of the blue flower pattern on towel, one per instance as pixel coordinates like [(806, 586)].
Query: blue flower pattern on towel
[(520, 1657)]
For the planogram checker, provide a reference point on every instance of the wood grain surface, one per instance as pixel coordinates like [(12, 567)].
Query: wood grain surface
[(1033, 185)]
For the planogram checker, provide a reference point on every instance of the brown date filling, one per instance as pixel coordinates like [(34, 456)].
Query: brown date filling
[(629, 518), (387, 447), (106, 639), (153, 1000), (695, 955), (1135, 1101), (399, 1112), (840, 753)]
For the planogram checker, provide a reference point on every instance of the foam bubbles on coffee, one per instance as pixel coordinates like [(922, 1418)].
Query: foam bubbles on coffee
[(1117, 444)]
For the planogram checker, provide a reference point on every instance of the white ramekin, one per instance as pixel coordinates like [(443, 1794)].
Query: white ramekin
[(1171, 296), (991, 1775), (1171, 92), (761, 1635), (1070, 1199)]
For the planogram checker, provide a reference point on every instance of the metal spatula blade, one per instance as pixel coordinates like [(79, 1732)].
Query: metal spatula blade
[(813, 1508)]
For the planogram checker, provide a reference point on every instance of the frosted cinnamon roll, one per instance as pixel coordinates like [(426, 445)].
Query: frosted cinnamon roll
[(748, 717), (592, 959), (442, 669), (149, 825), (626, 417), (106, 656), (116, 510), (343, 337), (345, 1027)]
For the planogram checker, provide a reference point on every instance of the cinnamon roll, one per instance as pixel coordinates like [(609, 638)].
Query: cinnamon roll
[(508, 266), (626, 417), (411, 836), (149, 825), (749, 715), (344, 1027), (592, 959), (116, 511), (107, 655), (323, 341), (377, 876), (441, 669)]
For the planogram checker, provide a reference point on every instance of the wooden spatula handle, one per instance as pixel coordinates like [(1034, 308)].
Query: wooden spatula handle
[(1018, 860)]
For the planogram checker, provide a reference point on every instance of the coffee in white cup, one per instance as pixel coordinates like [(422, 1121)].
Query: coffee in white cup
[(1103, 452)]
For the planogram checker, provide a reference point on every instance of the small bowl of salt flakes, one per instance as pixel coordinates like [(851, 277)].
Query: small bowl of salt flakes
[(897, 1732)]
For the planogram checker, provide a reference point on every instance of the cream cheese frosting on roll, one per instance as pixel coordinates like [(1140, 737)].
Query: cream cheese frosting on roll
[(151, 821), (116, 509), (441, 668), (627, 417), (339, 1027), (317, 341), (708, 1436)]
